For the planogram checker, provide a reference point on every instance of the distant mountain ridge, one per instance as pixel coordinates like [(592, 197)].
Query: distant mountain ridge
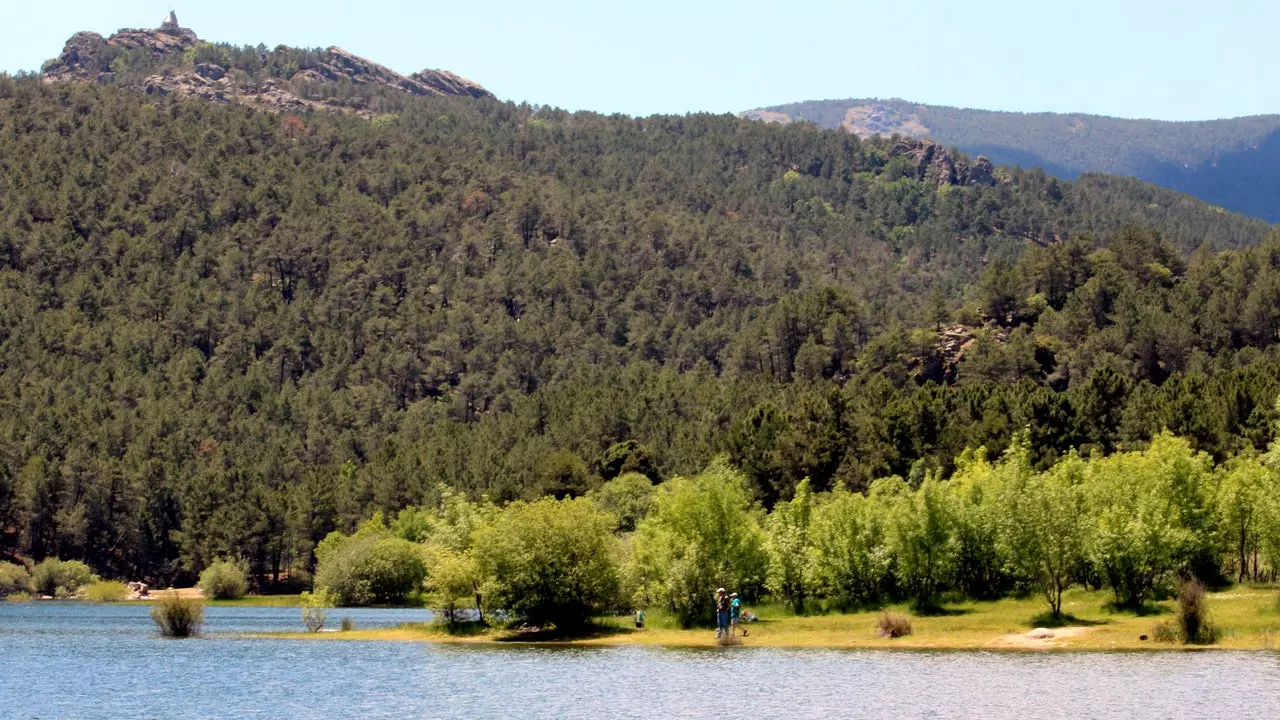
[(174, 60), (1234, 163)]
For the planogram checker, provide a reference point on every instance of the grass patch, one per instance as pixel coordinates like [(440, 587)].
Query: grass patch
[(1241, 614), (106, 591)]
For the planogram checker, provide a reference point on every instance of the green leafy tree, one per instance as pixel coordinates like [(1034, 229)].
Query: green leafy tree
[(787, 542), (549, 561), (702, 533)]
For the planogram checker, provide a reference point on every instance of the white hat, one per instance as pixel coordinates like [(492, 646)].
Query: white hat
[(719, 590)]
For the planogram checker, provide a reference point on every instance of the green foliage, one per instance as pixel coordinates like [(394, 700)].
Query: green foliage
[(787, 542), (629, 497), (1042, 523), (314, 609), (303, 329), (371, 567), (1148, 511), (453, 581), (14, 579), (549, 561), (1225, 162), (106, 591), (225, 580), (176, 616), (923, 541), (702, 533), (850, 560), (61, 578)]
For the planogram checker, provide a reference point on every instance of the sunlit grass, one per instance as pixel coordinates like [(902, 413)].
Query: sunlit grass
[(1246, 616)]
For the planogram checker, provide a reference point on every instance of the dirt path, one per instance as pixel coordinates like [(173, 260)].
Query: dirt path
[(1020, 640)]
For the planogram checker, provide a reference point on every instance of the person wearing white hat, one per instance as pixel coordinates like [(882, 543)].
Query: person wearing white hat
[(722, 613)]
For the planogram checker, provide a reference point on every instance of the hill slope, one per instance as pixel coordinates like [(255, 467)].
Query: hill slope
[(1233, 163), (225, 331)]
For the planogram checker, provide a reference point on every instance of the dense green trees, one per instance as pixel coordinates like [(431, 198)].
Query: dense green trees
[(225, 337), (1225, 162)]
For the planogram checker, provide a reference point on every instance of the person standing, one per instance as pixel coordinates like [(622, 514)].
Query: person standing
[(722, 613), (735, 611)]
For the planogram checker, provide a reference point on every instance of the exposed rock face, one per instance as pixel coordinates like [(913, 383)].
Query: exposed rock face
[(447, 83), (87, 58), (935, 164)]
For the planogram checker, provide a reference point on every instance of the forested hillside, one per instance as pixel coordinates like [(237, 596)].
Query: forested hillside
[(229, 332), (1232, 163)]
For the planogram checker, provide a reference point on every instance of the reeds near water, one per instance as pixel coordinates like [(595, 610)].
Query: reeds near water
[(177, 616)]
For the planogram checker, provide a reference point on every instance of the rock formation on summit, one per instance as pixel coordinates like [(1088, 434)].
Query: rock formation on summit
[(160, 62)]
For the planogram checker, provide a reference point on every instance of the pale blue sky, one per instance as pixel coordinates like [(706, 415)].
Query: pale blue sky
[(1168, 59)]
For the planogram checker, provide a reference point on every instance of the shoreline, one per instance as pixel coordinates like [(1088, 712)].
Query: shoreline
[(704, 639), (1248, 618)]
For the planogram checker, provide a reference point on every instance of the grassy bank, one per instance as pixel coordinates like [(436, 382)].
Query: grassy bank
[(1247, 617)]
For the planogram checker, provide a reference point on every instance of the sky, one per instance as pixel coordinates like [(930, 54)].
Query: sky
[(1165, 59)]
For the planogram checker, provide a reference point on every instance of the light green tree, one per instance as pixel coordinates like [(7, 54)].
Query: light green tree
[(787, 537), (849, 558), (1148, 510), (923, 540), (1042, 529), (702, 533), (1245, 489)]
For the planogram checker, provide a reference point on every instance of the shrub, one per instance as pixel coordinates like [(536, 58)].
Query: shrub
[(14, 579), (177, 616), (225, 580), (347, 624), (893, 625), (314, 606), (371, 567), (1193, 615), (106, 591), (61, 577)]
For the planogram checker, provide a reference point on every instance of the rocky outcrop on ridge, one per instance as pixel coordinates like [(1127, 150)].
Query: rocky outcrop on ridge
[(935, 164), (89, 57)]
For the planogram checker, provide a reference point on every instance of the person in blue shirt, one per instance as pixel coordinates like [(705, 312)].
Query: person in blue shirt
[(735, 612)]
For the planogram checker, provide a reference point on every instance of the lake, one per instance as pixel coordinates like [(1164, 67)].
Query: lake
[(78, 660)]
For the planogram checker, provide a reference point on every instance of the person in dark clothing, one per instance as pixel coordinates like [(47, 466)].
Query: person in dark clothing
[(722, 613)]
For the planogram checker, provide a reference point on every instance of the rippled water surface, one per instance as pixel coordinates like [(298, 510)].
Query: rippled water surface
[(65, 660)]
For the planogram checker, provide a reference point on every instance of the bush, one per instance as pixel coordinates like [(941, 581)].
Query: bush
[(314, 606), (893, 625), (549, 562), (106, 591), (371, 567), (347, 624), (60, 578), (225, 580), (177, 616), (14, 579), (1193, 615)]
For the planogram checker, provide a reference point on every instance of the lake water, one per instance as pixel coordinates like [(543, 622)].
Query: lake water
[(73, 660)]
